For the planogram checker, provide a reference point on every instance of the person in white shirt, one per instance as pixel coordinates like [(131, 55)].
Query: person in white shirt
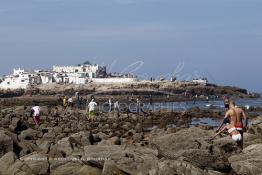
[(110, 104), (92, 110), (116, 106), (70, 102), (35, 112)]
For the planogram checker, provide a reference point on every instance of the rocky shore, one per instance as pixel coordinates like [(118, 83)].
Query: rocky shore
[(128, 143), (175, 90), (148, 91)]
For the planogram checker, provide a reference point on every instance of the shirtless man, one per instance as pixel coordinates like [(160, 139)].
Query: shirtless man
[(238, 118)]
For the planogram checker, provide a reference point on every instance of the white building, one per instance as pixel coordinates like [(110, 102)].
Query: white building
[(77, 78), (21, 79), (85, 70), (18, 71), (202, 81), (80, 74)]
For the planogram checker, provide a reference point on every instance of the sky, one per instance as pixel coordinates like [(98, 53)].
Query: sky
[(217, 39)]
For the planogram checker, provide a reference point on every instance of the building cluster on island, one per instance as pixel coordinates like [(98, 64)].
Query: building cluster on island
[(80, 74)]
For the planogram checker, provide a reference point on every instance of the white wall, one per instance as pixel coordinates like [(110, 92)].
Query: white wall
[(46, 79), (14, 83), (72, 69), (200, 81), (77, 80), (64, 68), (18, 71)]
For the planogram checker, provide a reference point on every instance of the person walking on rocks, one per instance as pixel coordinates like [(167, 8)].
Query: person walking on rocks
[(65, 102), (110, 104), (207, 99), (195, 99), (35, 112), (78, 100), (81, 101), (70, 102), (117, 108), (86, 104), (138, 104), (92, 110), (226, 103)]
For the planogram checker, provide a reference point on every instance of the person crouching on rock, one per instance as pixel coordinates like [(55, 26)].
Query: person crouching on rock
[(238, 118), (35, 112), (232, 130)]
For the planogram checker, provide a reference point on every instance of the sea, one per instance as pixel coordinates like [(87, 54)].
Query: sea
[(215, 104)]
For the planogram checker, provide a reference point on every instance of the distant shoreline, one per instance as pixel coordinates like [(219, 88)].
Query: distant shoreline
[(162, 91)]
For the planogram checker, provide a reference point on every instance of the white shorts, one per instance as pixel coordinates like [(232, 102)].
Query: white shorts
[(237, 137)]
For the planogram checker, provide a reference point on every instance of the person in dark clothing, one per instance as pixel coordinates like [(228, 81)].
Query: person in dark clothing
[(226, 103)]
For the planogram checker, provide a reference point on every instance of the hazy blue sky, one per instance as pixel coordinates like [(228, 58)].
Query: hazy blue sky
[(219, 39)]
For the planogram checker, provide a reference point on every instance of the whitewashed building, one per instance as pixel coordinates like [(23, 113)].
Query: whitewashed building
[(202, 81), (21, 79), (77, 78), (80, 74), (84, 70)]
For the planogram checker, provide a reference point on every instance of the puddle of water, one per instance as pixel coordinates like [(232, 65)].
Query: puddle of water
[(204, 121), (150, 128), (171, 126)]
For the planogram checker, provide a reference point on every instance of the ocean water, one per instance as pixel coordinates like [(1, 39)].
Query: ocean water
[(217, 104)]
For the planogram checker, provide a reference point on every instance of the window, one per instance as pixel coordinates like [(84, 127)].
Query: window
[(8, 82), (22, 80), (76, 70)]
